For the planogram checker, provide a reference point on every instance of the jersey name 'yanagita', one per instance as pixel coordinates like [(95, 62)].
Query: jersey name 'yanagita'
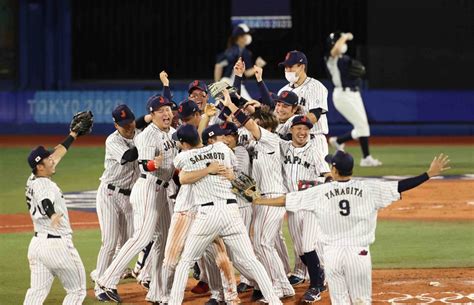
[(344, 191), (213, 155)]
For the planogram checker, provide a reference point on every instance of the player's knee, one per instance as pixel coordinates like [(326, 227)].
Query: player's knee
[(360, 131)]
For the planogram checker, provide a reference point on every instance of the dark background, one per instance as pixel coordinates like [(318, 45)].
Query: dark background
[(405, 44)]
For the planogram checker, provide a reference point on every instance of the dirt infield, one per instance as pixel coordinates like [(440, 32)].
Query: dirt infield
[(430, 201), (93, 140)]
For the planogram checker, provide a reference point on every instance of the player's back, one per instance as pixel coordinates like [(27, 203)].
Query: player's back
[(211, 187)]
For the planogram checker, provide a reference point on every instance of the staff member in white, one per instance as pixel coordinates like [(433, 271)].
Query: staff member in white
[(313, 96), (51, 252), (218, 213), (345, 75), (346, 210)]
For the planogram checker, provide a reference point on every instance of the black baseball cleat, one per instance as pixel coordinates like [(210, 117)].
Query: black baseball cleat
[(242, 287), (311, 295), (212, 301), (110, 295), (295, 280), (145, 284), (256, 295)]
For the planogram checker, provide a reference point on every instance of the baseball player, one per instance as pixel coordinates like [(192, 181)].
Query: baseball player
[(149, 200), (346, 211), (218, 212), (51, 251), (345, 74), (236, 48), (113, 205), (267, 221)]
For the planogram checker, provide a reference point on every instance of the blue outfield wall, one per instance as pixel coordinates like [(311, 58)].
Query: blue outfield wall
[(390, 112)]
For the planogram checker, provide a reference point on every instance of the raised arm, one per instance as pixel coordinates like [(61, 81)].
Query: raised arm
[(438, 165), (166, 85), (337, 48), (190, 177), (276, 202)]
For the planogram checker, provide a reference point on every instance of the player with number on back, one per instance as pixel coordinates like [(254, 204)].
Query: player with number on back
[(346, 210), (51, 252)]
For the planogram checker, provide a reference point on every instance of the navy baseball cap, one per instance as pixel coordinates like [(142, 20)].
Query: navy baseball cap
[(230, 128), (301, 120), (288, 98), (122, 115), (156, 101), (36, 155), (213, 131), (187, 108), (341, 160), (240, 29), (197, 84), (293, 58), (186, 133)]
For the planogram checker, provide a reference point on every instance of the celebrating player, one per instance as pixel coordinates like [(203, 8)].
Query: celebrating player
[(346, 211), (345, 75)]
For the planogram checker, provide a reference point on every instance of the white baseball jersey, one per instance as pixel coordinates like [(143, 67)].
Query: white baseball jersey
[(38, 189), (284, 128), (347, 211), (242, 166), (51, 252), (211, 187), (152, 142), (312, 94), (122, 176), (184, 199)]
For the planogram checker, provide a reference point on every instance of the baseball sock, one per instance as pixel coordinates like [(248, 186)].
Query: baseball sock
[(344, 138), (314, 270), (364, 145), (303, 259)]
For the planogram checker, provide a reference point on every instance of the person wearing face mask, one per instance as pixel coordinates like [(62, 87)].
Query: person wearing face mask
[(345, 74), (237, 47)]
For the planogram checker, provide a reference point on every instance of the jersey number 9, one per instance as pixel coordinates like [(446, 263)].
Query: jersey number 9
[(345, 207)]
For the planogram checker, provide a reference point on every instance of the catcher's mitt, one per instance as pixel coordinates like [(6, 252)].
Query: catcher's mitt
[(82, 123), (215, 89), (245, 187)]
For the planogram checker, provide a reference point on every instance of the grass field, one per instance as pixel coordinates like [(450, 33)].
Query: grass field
[(399, 244)]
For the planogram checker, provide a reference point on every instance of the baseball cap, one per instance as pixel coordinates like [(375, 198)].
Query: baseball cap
[(240, 29), (301, 119), (36, 155), (288, 98), (156, 101), (213, 131), (293, 58), (229, 128), (186, 133), (122, 115), (187, 108), (343, 161), (197, 84)]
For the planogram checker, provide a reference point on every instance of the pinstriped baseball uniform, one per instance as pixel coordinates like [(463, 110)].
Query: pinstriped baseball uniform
[(243, 166), (49, 257), (150, 207), (113, 198), (267, 172), (347, 216), (302, 164), (218, 217)]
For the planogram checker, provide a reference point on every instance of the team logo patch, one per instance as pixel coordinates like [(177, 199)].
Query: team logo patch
[(162, 100), (123, 115), (211, 134), (363, 252), (303, 119), (180, 109), (196, 83), (38, 159), (284, 94), (287, 56)]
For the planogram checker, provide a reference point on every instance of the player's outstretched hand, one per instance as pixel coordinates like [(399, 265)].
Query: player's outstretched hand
[(210, 110), (227, 173), (56, 220), (438, 165), (258, 73), (260, 62), (164, 78), (214, 168), (239, 67), (227, 99)]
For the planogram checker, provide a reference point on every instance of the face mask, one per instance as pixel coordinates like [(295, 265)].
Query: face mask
[(344, 48), (291, 77), (248, 39)]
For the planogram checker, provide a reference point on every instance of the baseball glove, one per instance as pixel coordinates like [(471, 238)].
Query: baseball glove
[(356, 69), (82, 123), (215, 89), (245, 187)]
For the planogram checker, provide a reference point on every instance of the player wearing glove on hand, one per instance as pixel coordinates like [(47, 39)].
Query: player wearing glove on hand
[(346, 211), (51, 252)]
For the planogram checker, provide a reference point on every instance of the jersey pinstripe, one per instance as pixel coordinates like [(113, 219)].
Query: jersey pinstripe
[(312, 94), (211, 187), (152, 142), (242, 166), (122, 176), (184, 199), (38, 189), (347, 211), (301, 163)]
